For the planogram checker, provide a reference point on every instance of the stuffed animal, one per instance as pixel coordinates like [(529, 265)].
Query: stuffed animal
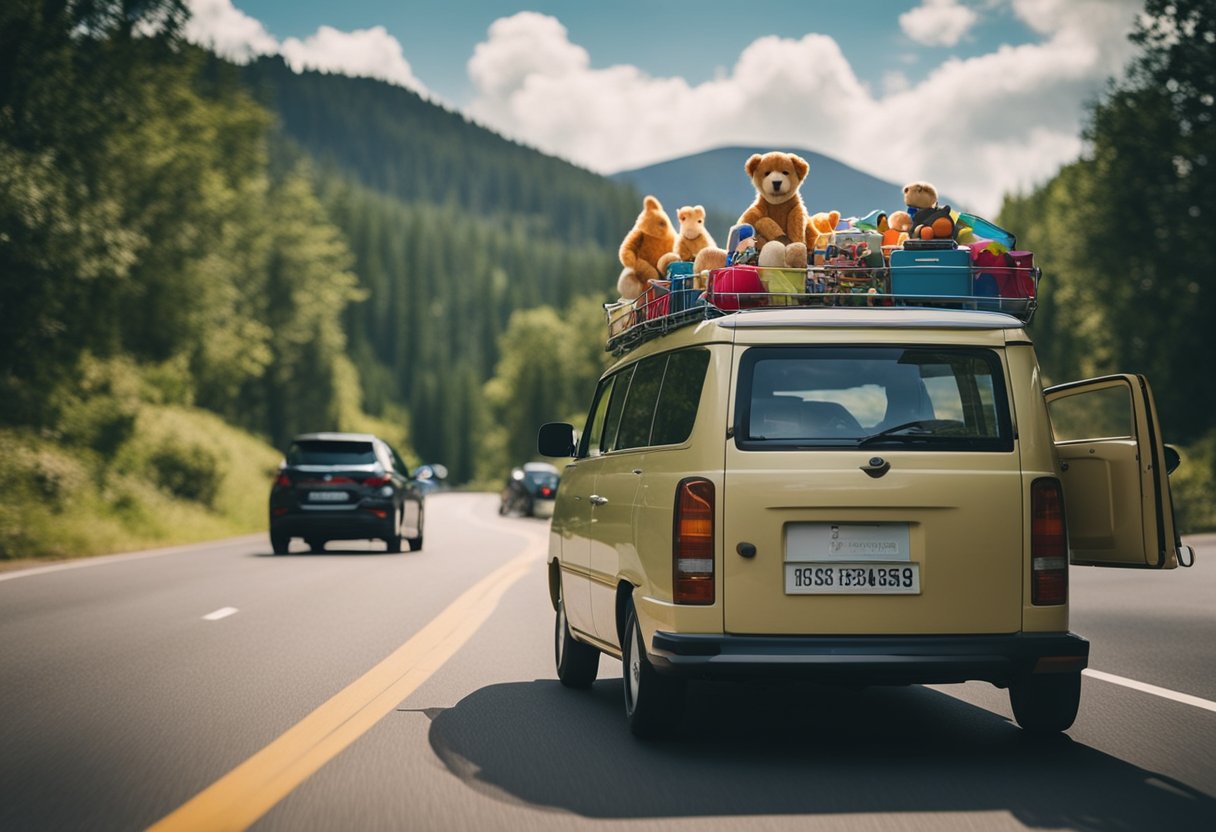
[(776, 255), (919, 196), (820, 228), (778, 212), (707, 260), (933, 224), (899, 226), (692, 238), (651, 237)]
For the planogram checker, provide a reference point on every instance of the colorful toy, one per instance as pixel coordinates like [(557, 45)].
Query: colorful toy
[(899, 225)]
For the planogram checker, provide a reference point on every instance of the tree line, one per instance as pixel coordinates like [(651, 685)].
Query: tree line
[(1125, 237), (291, 252)]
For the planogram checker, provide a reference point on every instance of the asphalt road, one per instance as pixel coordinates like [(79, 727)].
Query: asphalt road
[(217, 686)]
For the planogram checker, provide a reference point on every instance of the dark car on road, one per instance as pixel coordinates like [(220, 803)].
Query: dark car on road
[(344, 486), (530, 490)]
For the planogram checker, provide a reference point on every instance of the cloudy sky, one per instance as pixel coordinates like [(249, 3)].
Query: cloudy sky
[(978, 96)]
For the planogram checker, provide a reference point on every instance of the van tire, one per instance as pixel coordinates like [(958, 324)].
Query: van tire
[(577, 663), (653, 702), (1046, 704)]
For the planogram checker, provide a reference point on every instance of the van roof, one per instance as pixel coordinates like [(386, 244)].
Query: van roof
[(869, 317)]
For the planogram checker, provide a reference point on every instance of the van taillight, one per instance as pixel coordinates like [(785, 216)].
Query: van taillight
[(693, 543), (1048, 544), (283, 481)]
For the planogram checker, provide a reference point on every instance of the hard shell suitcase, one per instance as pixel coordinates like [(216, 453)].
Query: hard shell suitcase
[(931, 273)]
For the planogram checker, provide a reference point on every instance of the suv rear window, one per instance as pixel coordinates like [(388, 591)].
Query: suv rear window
[(918, 398), (322, 452)]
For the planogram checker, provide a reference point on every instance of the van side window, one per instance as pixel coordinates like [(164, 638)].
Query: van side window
[(638, 414), (678, 400), (612, 423), (1099, 414), (589, 444)]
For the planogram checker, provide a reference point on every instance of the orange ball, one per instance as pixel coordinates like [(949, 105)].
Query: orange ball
[(943, 228), (926, 232)]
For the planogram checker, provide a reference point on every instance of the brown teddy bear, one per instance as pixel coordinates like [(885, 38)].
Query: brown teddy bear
[(820, 227), (778, 212), (919, 196), (930, 221), (693, 237), (651, 237)]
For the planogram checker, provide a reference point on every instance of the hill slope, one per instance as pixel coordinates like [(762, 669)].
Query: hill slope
[(392, 141)]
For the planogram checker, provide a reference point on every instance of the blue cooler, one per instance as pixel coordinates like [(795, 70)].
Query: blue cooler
[(683, 295), (946, 272)]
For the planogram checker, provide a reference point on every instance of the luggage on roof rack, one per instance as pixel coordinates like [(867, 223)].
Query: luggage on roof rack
[(959, 279)]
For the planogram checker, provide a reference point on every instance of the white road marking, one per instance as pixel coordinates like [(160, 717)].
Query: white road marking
[(222, 612), (1164, 693), (102, 560)]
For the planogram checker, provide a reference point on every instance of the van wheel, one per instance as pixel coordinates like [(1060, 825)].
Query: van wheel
[(315, 545), (652, 702), (577, 663), (1046, 704), (279, 543)]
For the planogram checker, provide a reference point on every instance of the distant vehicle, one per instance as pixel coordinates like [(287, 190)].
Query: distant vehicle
[(431, 477), (344, 486), (530, 490)]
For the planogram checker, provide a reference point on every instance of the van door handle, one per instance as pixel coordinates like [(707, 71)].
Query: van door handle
[(597, 500)]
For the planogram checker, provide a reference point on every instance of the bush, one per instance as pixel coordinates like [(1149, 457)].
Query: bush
[(1193, 485), (190, 472)]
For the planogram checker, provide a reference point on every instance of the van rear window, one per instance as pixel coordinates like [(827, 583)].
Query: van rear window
[(918, 398)]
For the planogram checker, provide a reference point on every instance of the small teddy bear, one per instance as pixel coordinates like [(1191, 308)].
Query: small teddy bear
[(693, 237), (650, 238)]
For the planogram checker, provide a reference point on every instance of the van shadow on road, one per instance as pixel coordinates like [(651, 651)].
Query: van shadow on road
[(795, 749)]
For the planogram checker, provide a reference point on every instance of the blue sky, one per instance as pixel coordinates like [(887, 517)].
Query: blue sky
[(980, 97), (438, 37)]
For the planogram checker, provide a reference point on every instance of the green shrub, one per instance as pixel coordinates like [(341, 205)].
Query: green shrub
[(188, 471), (1193, 485)]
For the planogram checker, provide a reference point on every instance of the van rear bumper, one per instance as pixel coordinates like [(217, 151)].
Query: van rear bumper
[(999, 659)]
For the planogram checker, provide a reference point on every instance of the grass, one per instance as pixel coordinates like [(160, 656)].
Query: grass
[(182, 476)]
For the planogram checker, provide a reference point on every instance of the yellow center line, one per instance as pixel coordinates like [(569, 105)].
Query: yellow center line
[(239, 798)]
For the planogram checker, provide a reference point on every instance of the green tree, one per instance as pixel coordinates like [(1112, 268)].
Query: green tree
[(1126, 231)]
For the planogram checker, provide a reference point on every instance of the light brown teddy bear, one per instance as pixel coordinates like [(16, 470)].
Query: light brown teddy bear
[(692, 237), (820, 228), (778, 212), (650, 238)]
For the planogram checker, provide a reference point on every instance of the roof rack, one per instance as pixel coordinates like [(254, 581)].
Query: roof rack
[(668, 305)]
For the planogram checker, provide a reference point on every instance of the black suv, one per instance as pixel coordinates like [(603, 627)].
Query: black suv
[(344, 486)]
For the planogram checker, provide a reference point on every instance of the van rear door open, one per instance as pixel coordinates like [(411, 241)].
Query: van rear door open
[(1112, 465)]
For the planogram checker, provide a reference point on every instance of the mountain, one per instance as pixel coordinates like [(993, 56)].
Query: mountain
[(716, 179), (395, 142)]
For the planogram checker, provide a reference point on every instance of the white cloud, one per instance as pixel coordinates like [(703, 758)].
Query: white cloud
[(228, 31), (371, 53), (938, 22), (976, 128)]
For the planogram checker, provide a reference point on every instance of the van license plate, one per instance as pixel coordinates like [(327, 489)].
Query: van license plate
[(852, 579)]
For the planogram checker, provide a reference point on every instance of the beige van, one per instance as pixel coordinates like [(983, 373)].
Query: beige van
[(847, 495)]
